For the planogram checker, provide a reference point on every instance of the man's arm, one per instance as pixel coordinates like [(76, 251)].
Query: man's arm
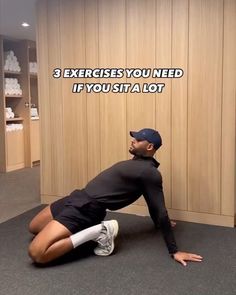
[(154, 197)]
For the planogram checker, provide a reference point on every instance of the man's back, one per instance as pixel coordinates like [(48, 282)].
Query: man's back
[(122, 184)]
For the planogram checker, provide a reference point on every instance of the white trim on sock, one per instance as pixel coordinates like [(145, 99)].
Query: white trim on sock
[(88, 234)]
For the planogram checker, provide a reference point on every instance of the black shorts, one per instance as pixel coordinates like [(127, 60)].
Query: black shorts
[(77, 211)]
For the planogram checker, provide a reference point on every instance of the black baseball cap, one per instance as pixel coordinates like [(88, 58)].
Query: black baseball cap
[(148, 134)]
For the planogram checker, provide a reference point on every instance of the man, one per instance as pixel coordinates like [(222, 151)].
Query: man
[(77, 218)]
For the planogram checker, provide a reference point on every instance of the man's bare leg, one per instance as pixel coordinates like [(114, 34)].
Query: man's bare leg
[(40, 220), (56, 240), (50, 243)]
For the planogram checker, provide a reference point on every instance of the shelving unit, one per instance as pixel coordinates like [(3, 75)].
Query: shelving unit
[(20, 147), (11, 73), (14, 96), (14, 119)]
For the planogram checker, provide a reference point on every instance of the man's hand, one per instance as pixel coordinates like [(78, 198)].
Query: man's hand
[(182, 257), (173, 223)]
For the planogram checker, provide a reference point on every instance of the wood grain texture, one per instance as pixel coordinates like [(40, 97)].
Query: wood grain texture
[(228, 177), (204, 105), (179, 104), (93, 99), (45, 54), (74, 104), (112, 54), (35, 141), (140, 54), (43, 74), (15, 157), (163, 100), (54, 98)]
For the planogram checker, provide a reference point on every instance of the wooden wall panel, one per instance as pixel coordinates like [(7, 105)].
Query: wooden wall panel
[(204, 105), (56, 107), (81, 107), (44, 101), (84, 133), (163, 100), (93, 99), (140, 54), (112, 47), (74, 104), (179, 104), (228, 189)]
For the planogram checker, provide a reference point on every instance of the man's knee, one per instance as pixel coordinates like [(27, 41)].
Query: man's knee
[(32, 228), (36, 253), (40, 220)]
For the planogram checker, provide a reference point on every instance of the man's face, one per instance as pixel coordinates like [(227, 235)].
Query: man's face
[(139, 147)]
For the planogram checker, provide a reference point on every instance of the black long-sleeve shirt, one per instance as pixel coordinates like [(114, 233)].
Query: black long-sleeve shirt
[(124, 182)]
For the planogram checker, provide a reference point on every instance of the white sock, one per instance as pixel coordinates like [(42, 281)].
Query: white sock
[(86, 235)]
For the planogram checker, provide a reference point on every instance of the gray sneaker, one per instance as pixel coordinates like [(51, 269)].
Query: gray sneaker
[(106, 238)]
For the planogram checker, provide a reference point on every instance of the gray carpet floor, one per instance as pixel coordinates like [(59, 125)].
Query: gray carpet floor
[(140, 264), (19, 192)]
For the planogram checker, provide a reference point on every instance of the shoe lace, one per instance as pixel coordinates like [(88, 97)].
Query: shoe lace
[(103, 240)]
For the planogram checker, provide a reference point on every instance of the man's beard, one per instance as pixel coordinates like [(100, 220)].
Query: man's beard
[(132, 152), (136, 153)]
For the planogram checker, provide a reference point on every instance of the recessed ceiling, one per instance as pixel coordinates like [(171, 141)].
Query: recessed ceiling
[(15, 12)]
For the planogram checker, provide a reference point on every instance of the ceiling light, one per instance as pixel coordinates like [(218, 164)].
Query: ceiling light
[(25, 25)]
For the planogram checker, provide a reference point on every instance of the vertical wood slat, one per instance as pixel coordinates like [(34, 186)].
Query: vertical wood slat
[(81, 123), (228, 189), (204, 108), (69, 100), (93, 99), (179, 104), (56, 107), (44, 101), (163, 100), (112, 47), (74, 104), (140, 54)]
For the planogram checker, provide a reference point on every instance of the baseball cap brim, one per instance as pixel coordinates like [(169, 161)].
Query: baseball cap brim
[(136, 135)]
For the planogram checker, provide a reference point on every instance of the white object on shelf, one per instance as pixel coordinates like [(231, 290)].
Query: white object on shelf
[(9, 113), (10, 62), (12, 87), (34, 112), (33, 67), (14, 127), (34, 118)]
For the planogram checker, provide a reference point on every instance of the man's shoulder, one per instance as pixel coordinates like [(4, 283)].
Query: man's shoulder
[(151, 172)]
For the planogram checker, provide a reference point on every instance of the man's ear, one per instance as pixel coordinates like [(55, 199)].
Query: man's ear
[(150, 147)]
